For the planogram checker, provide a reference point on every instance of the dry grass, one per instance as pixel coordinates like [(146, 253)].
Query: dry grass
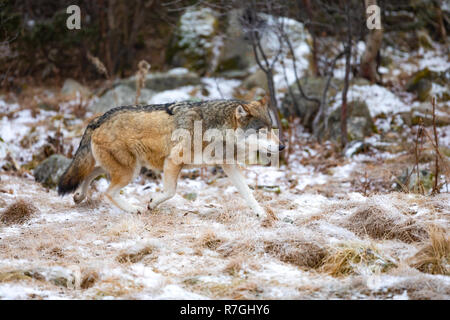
[(434, 257), (89, 279), (135, 256), (346, 259), (18, 213), (297, 252), (379, 224), (14, 275), (234, 266), (210, 240)]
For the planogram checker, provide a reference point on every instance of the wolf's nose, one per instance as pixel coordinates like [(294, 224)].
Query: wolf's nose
[(281, 147)]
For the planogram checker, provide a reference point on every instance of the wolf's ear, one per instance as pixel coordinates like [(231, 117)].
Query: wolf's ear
[(264, 100), (241, 112)]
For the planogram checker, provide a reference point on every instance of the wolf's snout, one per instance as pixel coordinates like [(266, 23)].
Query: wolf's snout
[(281, 147)]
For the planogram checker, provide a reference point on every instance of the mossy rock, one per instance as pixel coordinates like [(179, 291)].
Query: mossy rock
[(421, 82), (359, 123), (192, 44)]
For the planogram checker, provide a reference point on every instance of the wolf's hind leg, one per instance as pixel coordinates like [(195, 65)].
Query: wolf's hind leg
[(120, 179), (170, 177), (238, 179), (81, 194)]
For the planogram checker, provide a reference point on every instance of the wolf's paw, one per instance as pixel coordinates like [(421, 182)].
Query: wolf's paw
[(78, 197), (151, 204), (261, 214), (136, 210)]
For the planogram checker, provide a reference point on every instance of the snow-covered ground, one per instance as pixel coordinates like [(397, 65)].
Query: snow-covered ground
[(205, 243)]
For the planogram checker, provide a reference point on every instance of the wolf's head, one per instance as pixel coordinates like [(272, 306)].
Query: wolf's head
[(255, 120)]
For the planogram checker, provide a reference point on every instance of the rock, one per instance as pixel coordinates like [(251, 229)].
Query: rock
[(190, 196), (424, 39), (410, 181), (57, 275), (355, 147), (423, 113), (307, 110), (3, 152), (71, 87), (237, 53), (420, 82), (256, 80), (161, 81), (193, 41), (359, 123), (121, 95), (51, 169), (422, 88)]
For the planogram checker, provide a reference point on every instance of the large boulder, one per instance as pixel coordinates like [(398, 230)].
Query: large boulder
[(236, 52), (313, 87), (51, 169), (121, 95), (359, 123), (193, 42)]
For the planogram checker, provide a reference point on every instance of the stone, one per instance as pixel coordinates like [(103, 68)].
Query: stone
[(121, 95), (56, 275), (193, 42), (355, 147), (49, 171), (71, 87), (256, 80), (313, 88), (414, 183), (161, 81), (359, 123), (422, 81)]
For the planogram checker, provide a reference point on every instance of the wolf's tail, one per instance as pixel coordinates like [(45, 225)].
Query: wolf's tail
[(81, 165)]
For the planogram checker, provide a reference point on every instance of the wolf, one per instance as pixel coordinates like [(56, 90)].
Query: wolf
[(123, 140)]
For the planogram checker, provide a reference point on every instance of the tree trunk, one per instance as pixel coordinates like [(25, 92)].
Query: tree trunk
[(368, 66), (314, 68), (273, 100), (348, 56)]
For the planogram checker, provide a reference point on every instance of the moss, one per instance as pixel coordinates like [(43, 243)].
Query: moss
[(229, 64)]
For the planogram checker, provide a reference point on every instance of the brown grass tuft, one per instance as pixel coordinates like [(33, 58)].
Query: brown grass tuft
[(210, 240), (134, 256), (89, 279), (14, 275), (234, 266), (298, 252), (18, 213), (346, 259), (378, 224), (434, 257)]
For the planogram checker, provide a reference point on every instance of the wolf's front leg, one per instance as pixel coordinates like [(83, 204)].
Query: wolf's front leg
[(170, 177), (238, 179)]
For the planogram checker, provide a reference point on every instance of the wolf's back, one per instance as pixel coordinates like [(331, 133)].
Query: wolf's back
[(81, 165)]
